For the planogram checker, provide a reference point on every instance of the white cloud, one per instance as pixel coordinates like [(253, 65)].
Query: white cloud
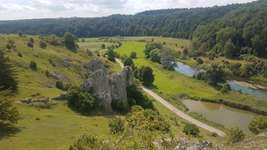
[(26, 9)]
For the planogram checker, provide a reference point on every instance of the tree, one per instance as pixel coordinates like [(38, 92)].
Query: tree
[(69, 41), (236, 135), (167, 59), (230, 50), (215, 74), (151, 46), (155, 55), (145, 74), (9, 113), (111, 54), (128, 62), (7, 74)]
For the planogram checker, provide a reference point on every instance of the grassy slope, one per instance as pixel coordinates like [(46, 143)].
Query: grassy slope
[(58, 126), (173, 84)]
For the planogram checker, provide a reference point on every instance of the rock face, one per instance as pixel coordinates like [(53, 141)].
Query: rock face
[(108, 89)]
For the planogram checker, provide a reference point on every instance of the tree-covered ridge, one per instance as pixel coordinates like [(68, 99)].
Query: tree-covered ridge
[(171, 22), (242, 31)]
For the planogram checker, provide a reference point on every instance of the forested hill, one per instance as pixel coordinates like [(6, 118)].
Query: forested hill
[(172, 22), (241, 31)]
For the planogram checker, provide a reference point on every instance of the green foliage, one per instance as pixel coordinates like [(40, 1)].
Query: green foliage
[(116, 126), (146, 119), (128, 62), (69, 41), (81, 101), (133, 55), (236, 135), (258, 125), (225, 88), (242, 31), (145, 75), (7, 74), (33, 66), (191, 129), (103, 46), (155, 55), (111, 55), (9, 113), (151, 46), (215, 74), (136, 97), (167, 59)]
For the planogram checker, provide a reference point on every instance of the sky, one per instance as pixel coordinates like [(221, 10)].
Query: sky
[(28, 9)]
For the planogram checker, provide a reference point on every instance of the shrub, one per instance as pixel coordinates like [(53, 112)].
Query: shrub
[(81, 101), (116, 126), (258, 125), (199, 61), (136, 97), (215, 74), (90, 142), (191, 129), (151, 46), (62, 86), (133, 55), (167, 59), (103, 46), (236, 135), (43, 44), (33, 66), (225, 88), (30, 43), (146, 119)]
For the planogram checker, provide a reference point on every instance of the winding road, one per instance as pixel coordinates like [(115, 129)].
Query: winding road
[(179, 113)]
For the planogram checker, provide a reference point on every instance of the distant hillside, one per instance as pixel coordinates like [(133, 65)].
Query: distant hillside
[(241, 31), (173, 23)]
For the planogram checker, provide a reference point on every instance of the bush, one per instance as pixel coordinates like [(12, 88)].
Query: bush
[(151, 46), (90, 142), (62, 86), (30, 43), (116, 126), (33, 66), (191, 129), (43, 44), (81, 101), (136, 97), (199, 61), (225, 88), (258, 125), (167, 59), (133, 55), (236, 135), (146, 119), (215, 74)]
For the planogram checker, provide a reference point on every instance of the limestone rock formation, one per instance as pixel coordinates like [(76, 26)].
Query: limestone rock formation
[(108, 88)]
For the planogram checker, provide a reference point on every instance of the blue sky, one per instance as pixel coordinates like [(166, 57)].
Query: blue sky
[(27, 9)]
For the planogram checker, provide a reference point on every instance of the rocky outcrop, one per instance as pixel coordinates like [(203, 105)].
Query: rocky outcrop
[(106, 88)]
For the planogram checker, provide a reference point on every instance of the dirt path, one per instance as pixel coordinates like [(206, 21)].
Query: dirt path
[(178, 112)]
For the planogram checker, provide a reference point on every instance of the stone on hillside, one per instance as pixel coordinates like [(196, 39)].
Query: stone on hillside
[(95, 65), (57, 76)]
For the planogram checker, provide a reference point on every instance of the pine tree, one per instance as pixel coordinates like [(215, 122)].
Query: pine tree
[(7, 74)]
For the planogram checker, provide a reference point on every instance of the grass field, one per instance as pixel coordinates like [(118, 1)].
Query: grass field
[(172, 84)]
